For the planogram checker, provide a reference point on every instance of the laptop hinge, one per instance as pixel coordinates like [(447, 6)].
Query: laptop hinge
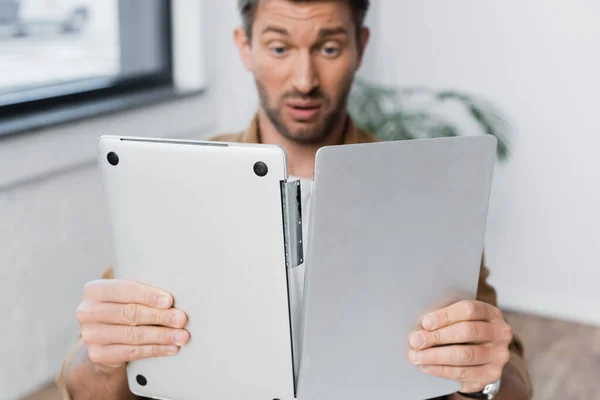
[(292, 223)]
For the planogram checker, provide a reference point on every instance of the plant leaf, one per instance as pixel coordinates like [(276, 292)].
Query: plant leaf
[(384, 111)]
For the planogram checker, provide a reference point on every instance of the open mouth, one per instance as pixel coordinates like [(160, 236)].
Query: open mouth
[(303, 112)]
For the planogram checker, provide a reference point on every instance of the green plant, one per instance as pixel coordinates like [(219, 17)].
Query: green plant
[(418, 112)]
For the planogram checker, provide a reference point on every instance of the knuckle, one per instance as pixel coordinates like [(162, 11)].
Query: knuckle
[(468, 332), (139, 335), (462, 373), (474, 331), (442, 371), (148, 297), (160, 318), (133, 335), (132, 353), (443, 318), (467, 355), (164, 336), (468, 309), (130, 314), (432, 356), (436, 337)]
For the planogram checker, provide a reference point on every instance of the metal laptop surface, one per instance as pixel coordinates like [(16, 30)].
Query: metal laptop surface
[(396, 229)]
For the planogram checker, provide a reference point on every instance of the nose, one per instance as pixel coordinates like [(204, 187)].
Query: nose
[(305, 74)]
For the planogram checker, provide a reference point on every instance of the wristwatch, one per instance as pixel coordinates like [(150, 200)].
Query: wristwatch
[(488, 392)]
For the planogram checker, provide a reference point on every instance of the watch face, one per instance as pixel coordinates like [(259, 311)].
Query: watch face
[(492, 390)]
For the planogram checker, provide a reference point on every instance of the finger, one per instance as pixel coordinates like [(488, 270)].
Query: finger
[(101, 334), (126, 292), (461, 311), (116, 355), (129, 314), (457, 355), (461, 333), (472, 377)]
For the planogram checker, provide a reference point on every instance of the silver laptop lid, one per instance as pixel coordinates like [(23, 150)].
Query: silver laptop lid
[(396, 229)]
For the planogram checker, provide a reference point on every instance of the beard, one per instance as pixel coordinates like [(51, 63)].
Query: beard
[(330, 115)]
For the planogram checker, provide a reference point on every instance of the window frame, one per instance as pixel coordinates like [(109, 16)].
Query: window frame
[(97, 96)]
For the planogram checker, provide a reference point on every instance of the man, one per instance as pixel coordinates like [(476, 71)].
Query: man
[(303, 55)]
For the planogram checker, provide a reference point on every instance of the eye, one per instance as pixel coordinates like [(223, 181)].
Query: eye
[(331, 50), (278, 51)]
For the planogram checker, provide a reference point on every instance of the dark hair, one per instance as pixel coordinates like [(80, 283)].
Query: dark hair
[(248, 8)]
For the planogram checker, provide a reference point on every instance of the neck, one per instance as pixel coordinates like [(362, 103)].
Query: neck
[(301, 156)]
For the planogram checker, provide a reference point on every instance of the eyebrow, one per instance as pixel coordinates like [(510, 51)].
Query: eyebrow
[(323, 32), (275, 29), (339, 30)]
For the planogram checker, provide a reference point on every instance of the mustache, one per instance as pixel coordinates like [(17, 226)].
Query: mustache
[(314, 94)]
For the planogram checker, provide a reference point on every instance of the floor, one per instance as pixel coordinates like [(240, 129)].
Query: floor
[(564, 359)]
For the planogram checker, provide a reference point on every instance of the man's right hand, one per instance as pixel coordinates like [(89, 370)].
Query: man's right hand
[(123, 321)]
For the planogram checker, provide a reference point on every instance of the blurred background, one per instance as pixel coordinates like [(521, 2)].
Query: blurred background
[(527, 72)]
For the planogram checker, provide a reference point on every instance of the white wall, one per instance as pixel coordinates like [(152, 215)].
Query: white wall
[(539, 61)]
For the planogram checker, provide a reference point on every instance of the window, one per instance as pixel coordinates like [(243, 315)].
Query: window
[(72, 55)]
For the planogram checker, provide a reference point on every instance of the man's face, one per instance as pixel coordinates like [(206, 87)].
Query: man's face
[(303, 56)]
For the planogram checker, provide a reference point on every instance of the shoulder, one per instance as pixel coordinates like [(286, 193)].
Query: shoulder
[(366, 137), (227, 137), (356, 134), (361, 136)]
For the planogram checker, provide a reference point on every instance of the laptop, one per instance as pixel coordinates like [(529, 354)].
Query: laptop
[(204, 221), (396, 230)]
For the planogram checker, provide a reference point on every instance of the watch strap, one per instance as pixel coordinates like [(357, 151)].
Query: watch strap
[(488, 392), (477, 395)]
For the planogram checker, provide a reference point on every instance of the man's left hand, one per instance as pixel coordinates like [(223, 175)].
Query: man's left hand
[(473, 340)]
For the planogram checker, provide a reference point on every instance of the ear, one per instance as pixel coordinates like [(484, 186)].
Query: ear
[(243, 44), (363, 40)]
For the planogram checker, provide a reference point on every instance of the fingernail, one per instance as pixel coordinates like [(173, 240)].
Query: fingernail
[(418, 341), (172, 350), (163, 301), (429, 322), (177, 320), (424, 367), (180, 338), (416, 357)]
